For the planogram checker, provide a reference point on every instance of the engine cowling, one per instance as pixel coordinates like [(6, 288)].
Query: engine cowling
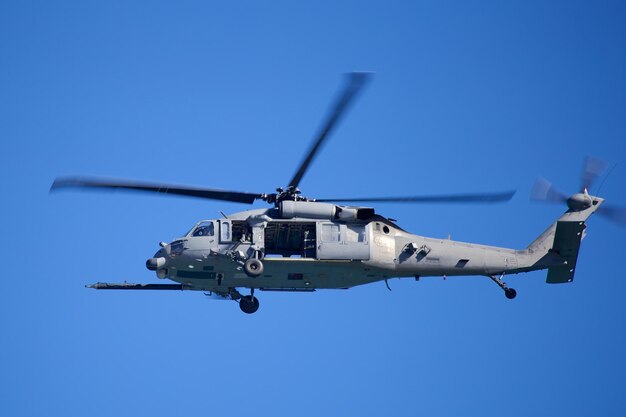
[(307, 209), (324, 211)]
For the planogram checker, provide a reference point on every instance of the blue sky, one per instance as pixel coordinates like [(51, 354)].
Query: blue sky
[(467, 96)]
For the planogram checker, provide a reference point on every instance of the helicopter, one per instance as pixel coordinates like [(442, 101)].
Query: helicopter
[(302, 244)]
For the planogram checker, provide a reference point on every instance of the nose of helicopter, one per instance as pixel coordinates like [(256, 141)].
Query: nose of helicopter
[(155, 263), (159, 259)]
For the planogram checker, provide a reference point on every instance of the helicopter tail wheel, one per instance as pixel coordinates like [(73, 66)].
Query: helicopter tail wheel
[(249, 304), (253, 267), (509, 293)]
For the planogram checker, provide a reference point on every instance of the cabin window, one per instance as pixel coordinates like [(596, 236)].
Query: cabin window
[(330, 233), (355, 233), (225, 231)]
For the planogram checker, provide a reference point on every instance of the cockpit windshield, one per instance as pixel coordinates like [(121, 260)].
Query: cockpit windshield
[(203, 228)]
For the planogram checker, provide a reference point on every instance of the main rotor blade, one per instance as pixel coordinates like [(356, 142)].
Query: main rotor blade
[(356, 81), (450, 198), (543, 190), (592, 169), (113, 184)]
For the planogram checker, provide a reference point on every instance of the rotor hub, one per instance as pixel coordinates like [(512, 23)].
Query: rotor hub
[(579, 202)]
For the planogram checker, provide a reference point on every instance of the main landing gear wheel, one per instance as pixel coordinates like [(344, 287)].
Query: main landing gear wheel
[(253, 267), (249, 304), (510, 293)]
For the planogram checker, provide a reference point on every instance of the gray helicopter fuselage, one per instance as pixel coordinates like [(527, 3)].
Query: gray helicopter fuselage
[(302, 244), (309, 245)]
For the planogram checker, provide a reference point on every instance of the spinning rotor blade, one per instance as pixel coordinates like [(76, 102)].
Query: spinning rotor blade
[(451, 198), (208, 193), (592, 169), (356, 81), (543, 190), (616, 214)]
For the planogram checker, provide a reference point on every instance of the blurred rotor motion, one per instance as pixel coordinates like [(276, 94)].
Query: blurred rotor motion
[(131, 185), (543, 190), (450, 198), (594, 168), (354, 85)]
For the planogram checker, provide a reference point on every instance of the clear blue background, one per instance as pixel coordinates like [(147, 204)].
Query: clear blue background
[(468, 96)]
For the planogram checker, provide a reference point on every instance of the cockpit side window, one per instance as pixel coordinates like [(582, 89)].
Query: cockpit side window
[(204, 229)]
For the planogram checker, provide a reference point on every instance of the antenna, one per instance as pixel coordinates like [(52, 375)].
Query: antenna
[(604, 179)]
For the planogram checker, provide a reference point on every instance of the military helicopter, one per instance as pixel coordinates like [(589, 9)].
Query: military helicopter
[(304, 244)]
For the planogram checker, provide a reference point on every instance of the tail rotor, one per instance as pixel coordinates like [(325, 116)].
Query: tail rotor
[(593, 168), (543, 190)]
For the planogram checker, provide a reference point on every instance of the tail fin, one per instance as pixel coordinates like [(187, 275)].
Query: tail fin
[(557, 247)]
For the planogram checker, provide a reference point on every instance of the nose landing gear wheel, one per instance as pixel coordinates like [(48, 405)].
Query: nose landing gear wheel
[(253, 267), (249, 304)]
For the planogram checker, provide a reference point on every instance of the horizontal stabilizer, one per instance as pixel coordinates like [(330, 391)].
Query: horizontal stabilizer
[(566, 244)]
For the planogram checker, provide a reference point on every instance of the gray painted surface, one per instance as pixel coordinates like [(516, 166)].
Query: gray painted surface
[(350, 253)]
